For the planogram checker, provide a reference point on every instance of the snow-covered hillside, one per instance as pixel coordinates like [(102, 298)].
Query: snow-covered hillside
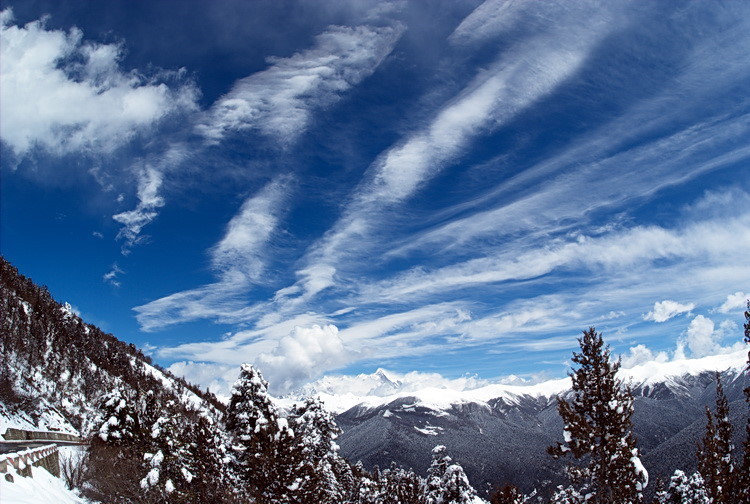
[(55, 368)]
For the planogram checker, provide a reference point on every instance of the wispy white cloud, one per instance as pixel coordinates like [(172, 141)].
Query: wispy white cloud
[(399, 327), (241, 248), (734, 302), (149, 200), (112, 276), (652, 145), (65, 94), (238, 259), (150, 175), (496, 18), (557, 199), (280, 100), (616, 250), (519, 78), (665, 310)]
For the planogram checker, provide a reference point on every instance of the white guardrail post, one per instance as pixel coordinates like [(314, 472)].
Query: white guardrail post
[(23, 460)]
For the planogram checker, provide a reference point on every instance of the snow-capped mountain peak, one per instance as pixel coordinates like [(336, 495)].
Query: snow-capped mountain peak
[(435, 392)]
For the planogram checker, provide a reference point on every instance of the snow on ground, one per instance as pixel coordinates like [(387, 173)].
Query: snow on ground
[(43, 488), (49, 420), (71, 454), (10, 420), (188, 396), (429, 430)]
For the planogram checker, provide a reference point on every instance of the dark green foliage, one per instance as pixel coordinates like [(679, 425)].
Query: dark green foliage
[(320, 469), (742, 485), (598, 428), (508, 494), (264, 452), (715, 451), (684, 489)]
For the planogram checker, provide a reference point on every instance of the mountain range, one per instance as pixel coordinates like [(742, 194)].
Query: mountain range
[(499, 432)]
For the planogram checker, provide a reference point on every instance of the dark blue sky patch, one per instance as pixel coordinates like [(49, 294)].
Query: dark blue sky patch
[(457, 187)]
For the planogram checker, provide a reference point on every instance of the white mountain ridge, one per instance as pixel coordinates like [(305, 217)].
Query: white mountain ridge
[(432, 391)]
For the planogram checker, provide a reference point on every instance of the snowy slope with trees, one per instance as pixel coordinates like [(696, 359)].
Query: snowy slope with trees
[(388, 439)]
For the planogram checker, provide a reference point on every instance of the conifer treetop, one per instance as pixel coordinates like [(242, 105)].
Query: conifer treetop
[(598, 428)]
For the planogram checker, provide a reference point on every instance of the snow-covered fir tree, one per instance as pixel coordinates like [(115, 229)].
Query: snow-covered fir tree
[(446, 481), (315, 434), (401, 486), (366, 487), (116, 451), (434, 483), (715, 451), (456, 487), (742, 486), (684, 489), (118, 418), (207, 462), (262, 443), (508, 494), (598, 429), (167, 459)]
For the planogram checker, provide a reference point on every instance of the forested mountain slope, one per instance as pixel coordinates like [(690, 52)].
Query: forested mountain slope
[(54, 367)]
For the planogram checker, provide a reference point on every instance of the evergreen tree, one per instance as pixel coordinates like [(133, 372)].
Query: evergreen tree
[(743, 474), (118, 424), (456, 487), (365, 488), (168, 477), (715, 452), (434, 484), (508, 494), (206, 462), (598, 429), (262, 443), (116, 450), (315, 433), (401, 486), (684, 490), (446, 481), (346, 478)]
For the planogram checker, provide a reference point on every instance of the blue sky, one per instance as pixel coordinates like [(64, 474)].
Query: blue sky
[(453, 187)]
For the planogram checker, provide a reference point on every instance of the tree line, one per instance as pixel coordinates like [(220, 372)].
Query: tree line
[(261, 456)]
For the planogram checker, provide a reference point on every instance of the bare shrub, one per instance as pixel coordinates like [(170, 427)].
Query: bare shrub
[(74, 468)]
